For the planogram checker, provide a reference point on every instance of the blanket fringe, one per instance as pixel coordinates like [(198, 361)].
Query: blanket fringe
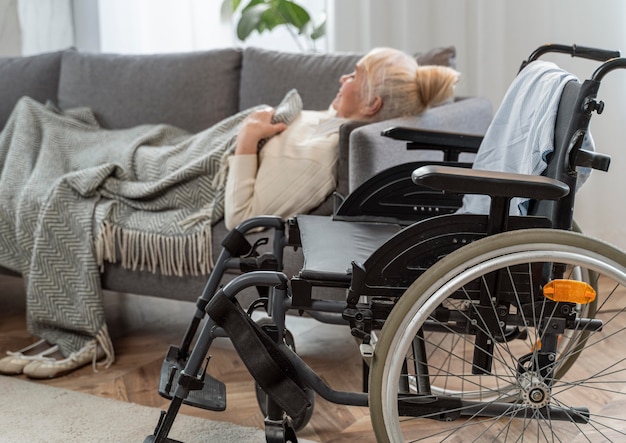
[(185, 255), (104, 340)]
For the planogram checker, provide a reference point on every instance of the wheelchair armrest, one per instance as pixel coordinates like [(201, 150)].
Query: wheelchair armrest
[(451, 144), (391, 195), (494, 184)]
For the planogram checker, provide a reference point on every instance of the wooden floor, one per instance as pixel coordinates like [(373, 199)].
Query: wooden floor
[(142, 329)]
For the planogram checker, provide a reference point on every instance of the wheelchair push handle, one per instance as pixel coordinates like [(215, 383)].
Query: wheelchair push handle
[(608, 66), (598, 54)]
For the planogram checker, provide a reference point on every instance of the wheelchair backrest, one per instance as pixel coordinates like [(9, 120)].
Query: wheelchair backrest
[(572, 125), (577, 104)]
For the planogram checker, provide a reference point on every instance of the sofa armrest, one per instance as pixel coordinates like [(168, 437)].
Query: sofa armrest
[(343, 170), (369, 152)]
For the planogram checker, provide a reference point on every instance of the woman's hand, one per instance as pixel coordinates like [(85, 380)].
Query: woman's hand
[(256, 127)]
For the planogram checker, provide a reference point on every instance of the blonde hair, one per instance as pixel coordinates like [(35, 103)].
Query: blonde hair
[(405, 88)]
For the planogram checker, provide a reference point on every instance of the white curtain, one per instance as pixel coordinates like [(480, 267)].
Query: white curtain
[(10, 34), (46, 25), (492, 38)]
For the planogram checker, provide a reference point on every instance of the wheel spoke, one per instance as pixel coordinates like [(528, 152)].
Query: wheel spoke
[(552, 372)]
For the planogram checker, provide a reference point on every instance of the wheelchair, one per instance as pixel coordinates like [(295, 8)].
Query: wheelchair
[(472, 327)]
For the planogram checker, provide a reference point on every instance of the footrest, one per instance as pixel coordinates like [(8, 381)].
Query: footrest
[(212, 395)]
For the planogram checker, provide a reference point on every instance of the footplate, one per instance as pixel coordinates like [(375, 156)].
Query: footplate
[(210, 396)]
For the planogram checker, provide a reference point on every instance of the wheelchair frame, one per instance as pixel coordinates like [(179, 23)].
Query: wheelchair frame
[(392, 281)]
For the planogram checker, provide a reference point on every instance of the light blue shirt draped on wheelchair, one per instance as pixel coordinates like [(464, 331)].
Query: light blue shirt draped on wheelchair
[(521, 135)]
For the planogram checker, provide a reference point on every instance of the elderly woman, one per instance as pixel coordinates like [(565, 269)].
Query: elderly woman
[(294, 172), (279, 166)]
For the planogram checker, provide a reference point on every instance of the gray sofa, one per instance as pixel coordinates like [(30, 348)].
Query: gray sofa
[(195, 90)]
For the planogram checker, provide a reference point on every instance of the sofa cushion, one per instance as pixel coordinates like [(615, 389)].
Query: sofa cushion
[(267, 75), (35, 76), (189, 90)]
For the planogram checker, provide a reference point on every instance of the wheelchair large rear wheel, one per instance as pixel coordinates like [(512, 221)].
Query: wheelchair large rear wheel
[(433, 380)]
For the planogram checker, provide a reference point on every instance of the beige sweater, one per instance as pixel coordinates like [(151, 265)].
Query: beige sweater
[(293, 173)]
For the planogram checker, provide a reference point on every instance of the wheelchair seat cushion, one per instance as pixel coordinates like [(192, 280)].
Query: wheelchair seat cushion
[(330, 246)]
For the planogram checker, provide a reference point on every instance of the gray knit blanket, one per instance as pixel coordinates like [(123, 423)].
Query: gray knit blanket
[(74, 195)]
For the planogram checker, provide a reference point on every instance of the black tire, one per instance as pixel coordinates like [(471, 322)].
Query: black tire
[(522, 400)]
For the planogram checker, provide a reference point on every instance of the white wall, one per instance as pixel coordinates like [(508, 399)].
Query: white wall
[(86, 25), (492, 38)]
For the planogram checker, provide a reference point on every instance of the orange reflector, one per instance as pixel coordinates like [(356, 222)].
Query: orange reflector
[(571, 291), (536, 346)]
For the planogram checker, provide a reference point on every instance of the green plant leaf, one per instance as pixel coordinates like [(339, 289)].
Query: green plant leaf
[(269, 20), (226, 11), (228, 7), (319, 28), (253, 3), (265, 15), (293, 14), (251, 20)]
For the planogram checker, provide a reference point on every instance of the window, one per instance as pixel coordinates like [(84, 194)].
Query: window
[(157, 26)]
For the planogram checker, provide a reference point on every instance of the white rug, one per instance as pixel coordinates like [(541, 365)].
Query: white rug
[(36, 413)]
